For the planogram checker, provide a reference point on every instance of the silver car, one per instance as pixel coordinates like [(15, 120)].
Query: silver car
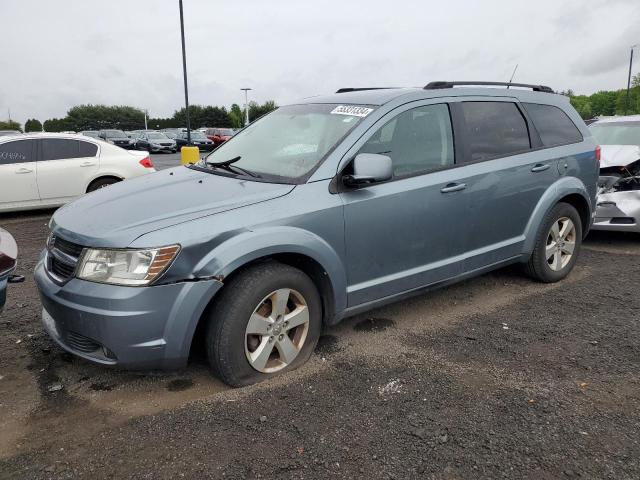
[(618, 206)]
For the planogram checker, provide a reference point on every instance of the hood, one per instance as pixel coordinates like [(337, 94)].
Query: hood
[(117, 215), (618, 155)]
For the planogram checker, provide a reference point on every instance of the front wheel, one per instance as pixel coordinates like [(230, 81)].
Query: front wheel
[(267, 320), (557, 245)]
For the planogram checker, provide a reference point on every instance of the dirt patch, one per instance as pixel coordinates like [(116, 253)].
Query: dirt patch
[(180, 385), (373, 325)]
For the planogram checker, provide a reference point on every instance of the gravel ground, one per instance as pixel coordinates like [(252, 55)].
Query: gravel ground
[(497, 377)]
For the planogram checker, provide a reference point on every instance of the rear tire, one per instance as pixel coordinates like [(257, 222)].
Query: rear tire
[(557, 245), (101, 183), (266, 321)]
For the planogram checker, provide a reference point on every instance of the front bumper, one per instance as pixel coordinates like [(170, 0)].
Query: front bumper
[(618, 211), (131, 327), (162, 148)]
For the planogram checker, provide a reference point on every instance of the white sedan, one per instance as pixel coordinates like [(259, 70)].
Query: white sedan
[(49, 170)]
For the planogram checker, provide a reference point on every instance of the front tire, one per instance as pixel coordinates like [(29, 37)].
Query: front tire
[(557, 245), (266, 321)]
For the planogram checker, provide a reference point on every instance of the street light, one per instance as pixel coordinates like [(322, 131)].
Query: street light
[(184, 71), (626, 109), (246, 106)]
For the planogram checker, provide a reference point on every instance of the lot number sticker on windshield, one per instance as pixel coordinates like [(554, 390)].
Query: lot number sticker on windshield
[(352, 110)]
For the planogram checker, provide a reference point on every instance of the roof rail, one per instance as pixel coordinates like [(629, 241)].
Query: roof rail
[(359, 89), (535, 88)]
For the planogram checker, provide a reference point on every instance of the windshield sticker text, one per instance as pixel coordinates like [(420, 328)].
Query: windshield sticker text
[(351, 110)]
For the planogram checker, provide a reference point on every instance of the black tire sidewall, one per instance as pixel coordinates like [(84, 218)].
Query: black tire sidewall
[(232, 310), (543, 269)]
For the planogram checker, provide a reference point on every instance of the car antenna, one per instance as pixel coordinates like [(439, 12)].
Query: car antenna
[(513, 75)]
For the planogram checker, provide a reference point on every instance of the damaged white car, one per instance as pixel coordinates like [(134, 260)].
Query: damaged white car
[(619, 183)]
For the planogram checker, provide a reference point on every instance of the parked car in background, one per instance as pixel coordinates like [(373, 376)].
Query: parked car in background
[(48, 170), (619, 183), (6, 133), (198, 139), (91, 133), (155, 142), (272, 235), (219, 135), (8, 256), (117, 137), (171, 134)]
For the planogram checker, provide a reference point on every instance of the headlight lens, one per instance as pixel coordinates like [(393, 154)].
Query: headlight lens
[(125, 267)]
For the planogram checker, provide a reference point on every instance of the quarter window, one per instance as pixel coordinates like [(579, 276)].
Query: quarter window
[(494, 129), (87, 149), (59, 149), (553, 125), (418, 140), (18, 151)]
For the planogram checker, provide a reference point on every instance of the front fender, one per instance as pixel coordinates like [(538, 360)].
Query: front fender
[(563, 187), (252, 245)]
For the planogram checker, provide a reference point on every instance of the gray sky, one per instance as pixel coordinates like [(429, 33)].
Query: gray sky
[(62, 53)]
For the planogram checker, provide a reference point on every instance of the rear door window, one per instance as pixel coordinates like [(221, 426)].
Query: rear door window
[(553, 125), (494, 129), (87, 149), (19, 151), (59, 149)]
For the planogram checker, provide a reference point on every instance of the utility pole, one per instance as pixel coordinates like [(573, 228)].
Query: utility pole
[(184, 71), (246, 106), (626, 108), (145, 119)]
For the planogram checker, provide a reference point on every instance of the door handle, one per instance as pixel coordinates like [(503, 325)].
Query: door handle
[(453, 187), (87, 164), (540, 167), (24, 170)]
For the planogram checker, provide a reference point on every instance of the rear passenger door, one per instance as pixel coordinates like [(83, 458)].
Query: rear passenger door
[(506, 175), (18, 186), (65, 168)]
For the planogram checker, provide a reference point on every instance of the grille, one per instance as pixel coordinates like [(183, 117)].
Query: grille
[(81, 343), (67, 247), (61, 269)]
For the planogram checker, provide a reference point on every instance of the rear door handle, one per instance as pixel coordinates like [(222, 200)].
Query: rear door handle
[(540, 167), (24, 170), (453, 187), (87, 164)]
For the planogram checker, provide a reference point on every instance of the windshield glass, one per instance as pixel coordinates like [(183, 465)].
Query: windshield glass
[(289, 142), (611, 133), (196, 136), (156, 135), (227, 132), (114, 133)]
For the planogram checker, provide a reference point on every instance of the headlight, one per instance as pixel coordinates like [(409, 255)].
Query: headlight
[(125, 267)]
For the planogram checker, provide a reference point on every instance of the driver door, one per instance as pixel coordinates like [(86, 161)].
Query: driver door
[(408, 232)]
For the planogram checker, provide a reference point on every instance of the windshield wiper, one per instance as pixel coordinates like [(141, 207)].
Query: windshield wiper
[(228, 165)]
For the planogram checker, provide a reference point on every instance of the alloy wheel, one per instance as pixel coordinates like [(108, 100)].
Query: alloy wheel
[(561, 243), (277, 330)]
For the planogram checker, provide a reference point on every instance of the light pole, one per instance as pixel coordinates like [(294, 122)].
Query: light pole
[(626, 109), (184, 71), (246, 106)]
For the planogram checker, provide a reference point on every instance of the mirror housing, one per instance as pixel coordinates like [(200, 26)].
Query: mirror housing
[(369, 168)]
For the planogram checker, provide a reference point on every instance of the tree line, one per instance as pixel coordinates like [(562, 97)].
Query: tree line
[(100, 117)]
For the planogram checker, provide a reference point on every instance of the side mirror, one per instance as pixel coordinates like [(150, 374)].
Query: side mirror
[(369, 168)]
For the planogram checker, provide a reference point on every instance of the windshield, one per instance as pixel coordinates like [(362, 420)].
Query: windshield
[(227, 132), (156, 136), (114, 133), (196, 136), (616, 133), (289, 142)]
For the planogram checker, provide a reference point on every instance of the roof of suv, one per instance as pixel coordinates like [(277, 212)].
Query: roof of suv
[(618, 119), (381, 96)]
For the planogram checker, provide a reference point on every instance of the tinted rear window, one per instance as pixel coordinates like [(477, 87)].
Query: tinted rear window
[(553, 125), (494, 129), (59, 149), (87, 149), (16, 152)]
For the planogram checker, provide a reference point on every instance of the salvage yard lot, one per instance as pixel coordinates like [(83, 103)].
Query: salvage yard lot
[(497, 377)]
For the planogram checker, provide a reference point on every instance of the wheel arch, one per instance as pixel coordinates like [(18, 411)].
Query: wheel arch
[(567, 189), (102, 176)]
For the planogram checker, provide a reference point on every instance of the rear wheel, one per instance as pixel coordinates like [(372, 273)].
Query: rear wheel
[(266, 321), (557, 245), (101, 183)]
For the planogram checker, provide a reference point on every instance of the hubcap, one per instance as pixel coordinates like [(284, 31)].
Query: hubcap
[(277, 330), (561, 242)]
